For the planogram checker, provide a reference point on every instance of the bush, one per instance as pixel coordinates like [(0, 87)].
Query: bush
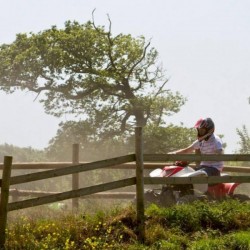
[(196, 226)]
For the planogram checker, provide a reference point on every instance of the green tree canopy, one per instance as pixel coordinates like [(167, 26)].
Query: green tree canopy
[(113, 82)]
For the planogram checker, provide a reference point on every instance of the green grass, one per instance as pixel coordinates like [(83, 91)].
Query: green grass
[(197, 226)]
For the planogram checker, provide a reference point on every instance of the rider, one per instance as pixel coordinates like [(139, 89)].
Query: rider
[(207, 143)]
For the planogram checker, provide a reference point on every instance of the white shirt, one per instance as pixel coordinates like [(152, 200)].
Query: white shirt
[(210, 146)]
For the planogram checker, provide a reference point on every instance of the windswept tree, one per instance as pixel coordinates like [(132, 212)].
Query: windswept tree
[(111, 81)]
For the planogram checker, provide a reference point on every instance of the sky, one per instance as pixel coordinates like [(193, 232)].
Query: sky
[(204, 47)]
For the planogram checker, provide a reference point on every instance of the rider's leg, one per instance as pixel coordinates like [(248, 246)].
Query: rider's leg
[(211, 171)]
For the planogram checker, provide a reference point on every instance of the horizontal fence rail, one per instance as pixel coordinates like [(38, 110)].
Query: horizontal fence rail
[(71, 194), (71, 169), (102, 195), (39, 165), (150, 162)]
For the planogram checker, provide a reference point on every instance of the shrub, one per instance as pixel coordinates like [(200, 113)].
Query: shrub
[(196, 226)]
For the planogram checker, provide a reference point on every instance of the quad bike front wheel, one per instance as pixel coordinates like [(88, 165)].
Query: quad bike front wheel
[(166, 197), (151, 196)]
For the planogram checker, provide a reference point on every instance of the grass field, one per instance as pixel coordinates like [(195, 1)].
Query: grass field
[(197, 226)]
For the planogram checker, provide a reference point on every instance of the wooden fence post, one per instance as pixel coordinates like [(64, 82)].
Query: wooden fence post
[(75, 177), (139, 184), (197, 152), (4, 198)]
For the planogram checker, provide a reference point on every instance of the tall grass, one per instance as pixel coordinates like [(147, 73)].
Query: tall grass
[(197, 226)]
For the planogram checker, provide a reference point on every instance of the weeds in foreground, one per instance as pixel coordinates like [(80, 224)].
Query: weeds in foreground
[(197, 226)]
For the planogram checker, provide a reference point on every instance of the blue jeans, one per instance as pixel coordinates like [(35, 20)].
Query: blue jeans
[(211, 171)]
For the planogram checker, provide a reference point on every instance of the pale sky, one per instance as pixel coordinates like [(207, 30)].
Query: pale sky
[(203, 45)]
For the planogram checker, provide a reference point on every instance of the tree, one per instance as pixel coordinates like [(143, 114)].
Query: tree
[(26, 154), (161, 140), (112, 82), (92, 147), (156, 139), (244, 140)]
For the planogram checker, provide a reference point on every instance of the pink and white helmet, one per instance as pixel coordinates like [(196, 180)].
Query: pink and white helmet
[(205, 128)]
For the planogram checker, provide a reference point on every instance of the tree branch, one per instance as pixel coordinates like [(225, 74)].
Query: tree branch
[(143, 56)]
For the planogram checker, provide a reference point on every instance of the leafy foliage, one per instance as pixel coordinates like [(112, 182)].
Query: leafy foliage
[(244, 140), (190, 226), (94, 146), (22, 154), (110, 81), (160, 140)]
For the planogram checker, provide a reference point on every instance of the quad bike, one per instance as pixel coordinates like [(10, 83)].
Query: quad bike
[(185, 193)]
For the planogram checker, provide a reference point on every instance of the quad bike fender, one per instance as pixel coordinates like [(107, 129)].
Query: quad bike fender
[(172, 170), (230, 187), (156, 173), (166, 171), (193, 173), (184, 172), (222, 189)]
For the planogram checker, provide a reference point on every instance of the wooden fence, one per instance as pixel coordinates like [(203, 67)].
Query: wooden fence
[(16, 193), (138, 159)]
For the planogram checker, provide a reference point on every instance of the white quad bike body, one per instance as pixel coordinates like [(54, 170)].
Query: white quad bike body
[(183, 193)]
